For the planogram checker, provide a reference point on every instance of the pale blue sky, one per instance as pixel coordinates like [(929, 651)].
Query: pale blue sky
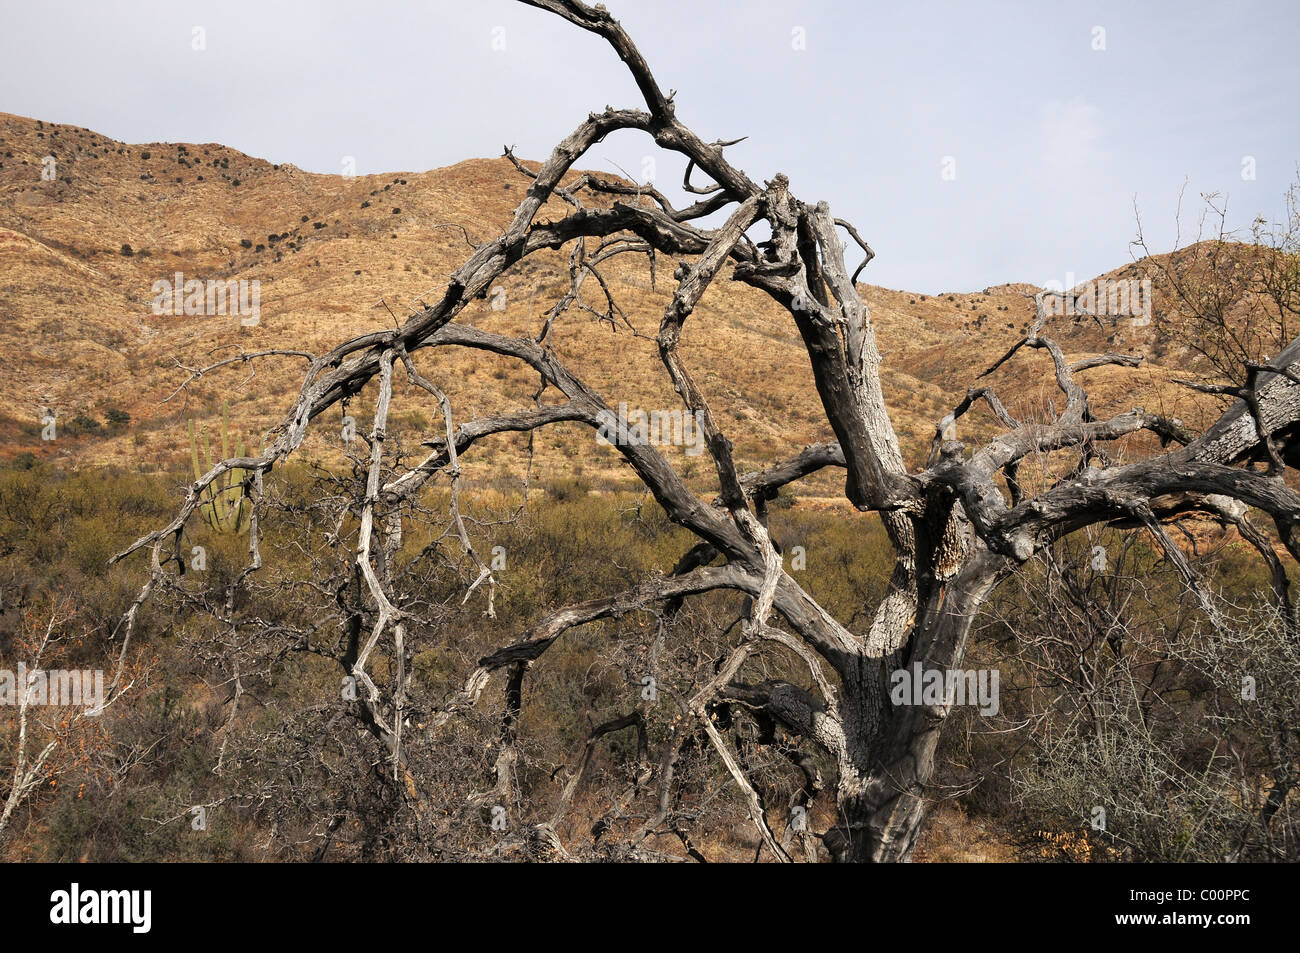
[(1052, 140)]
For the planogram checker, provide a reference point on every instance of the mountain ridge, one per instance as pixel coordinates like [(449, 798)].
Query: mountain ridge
[(336, 256)]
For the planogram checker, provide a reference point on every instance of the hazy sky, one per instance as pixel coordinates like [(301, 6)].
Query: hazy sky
[(1051, 139)]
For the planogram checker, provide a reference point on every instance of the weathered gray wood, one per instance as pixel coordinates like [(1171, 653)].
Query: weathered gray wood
[(956, 531)]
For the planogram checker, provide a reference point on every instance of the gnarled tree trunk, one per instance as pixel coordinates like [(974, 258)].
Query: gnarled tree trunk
[(958, 524)]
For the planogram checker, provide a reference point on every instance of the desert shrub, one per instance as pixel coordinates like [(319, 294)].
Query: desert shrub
[(568, 489), (58, 529), (84, 424)]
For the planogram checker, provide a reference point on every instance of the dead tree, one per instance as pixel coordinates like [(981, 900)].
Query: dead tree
[(958, 526)]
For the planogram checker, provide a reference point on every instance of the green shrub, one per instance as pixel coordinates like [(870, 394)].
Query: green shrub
[(84, 424)]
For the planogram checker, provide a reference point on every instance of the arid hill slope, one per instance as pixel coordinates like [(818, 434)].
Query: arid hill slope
[(80, 253)]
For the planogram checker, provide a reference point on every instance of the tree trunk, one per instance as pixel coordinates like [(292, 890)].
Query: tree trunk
[(881, 797)]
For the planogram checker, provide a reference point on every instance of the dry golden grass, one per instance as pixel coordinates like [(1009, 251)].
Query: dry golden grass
[(77, 332), (951, 836)]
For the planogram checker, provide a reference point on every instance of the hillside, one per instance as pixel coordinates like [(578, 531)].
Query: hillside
[(79, 256)]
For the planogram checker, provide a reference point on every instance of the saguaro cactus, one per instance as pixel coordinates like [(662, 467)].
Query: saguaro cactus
[(225, 508)]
